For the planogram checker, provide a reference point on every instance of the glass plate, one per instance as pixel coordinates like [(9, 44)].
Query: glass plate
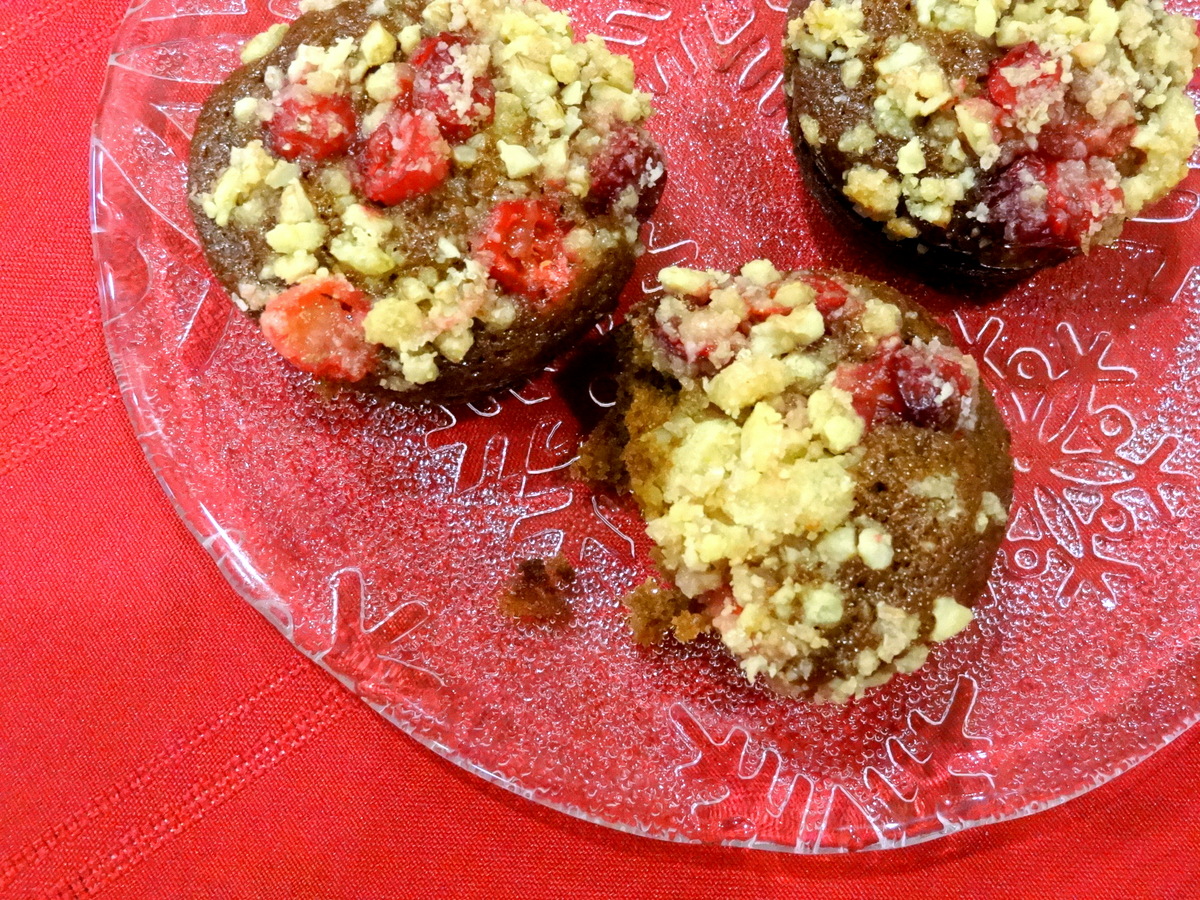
[(375, 537)]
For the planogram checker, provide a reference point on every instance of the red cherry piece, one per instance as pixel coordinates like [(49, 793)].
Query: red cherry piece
[(675, 345), (461, 107), (1062, 140), (522, 245), (404, 157), (760, 306), (1080, 136), (312, 126), (830, 300), (926, 386), (932, 388), (629, 158), (763, 310), (872, 385), (317, 327), (1020, 78), (1055, 203), (405, 79), (831, 294), (1109, 141)]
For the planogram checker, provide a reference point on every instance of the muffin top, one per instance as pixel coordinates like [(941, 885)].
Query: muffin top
[(394, 179), (819, 468), (1028, 123)]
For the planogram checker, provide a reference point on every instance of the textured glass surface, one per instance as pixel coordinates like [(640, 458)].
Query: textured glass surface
[(376, 537)]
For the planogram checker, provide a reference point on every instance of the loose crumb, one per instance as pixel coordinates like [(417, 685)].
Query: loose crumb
[(538, 590), (599, 460), (655, 611)]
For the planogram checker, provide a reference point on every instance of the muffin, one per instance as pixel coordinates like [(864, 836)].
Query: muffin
[(824, 476), (990, 136), (432, 199)]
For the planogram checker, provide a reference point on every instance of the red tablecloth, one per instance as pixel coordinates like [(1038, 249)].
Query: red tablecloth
[(139, 760)]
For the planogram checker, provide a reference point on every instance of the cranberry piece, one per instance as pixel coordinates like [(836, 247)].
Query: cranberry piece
[(441, 87), (830, 301), (696, 353), (1110, 141), (932, 388), (831, 294), (763, 310), (1020, 78), (312, 126), (1079, 136), (316, 325), (1062, 140), (405, 80), (872, 384), (523, 246), (1055, 203), (628, 158), (404, 157), (924, 385)]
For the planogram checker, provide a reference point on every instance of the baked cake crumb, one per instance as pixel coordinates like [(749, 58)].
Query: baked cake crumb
[(539, 590), (656, 611)]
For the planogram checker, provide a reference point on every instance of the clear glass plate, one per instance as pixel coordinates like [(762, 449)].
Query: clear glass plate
[(376, 537)]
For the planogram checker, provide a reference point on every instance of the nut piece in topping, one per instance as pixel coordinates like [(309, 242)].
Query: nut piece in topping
[(262, 44)]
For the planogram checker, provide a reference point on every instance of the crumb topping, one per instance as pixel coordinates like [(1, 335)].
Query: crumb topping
[(470, 99), (748, 483), (1080, 120)]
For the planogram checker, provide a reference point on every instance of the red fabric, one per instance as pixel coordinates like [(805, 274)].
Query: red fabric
[(139, 760)]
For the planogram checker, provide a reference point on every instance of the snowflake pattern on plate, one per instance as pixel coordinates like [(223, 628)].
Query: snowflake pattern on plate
[(376, 537)]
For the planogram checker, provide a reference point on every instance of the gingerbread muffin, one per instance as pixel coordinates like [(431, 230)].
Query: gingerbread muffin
[(824, 476), (430, 198), (990, 137)]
